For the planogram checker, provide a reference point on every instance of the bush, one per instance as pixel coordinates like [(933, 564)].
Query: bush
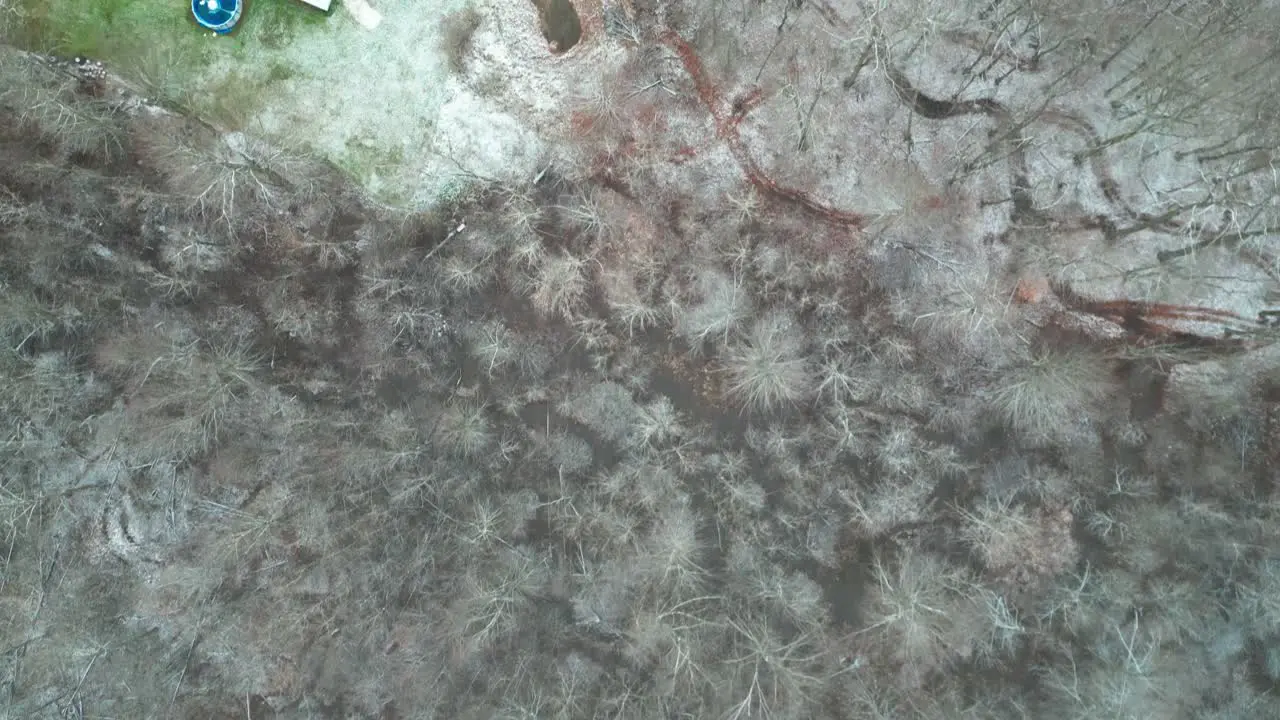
[(1047, 398), (737, 494), (226, 179), (1004, 628), (606, 408), (464, 429), (1261, 598), (25, 317), (1126, 677), (999, 532), (921, 614), (677, 644), (772, 675), (656, 424), (559, 284), (674, 552), (77, 126), (464, 274), (892, 503), (184, 394), (642, 479), (843, 382), (763, 584), (567, 453), (899, 451), (492, 345), (629, 305), (455, 37), (722, 305), (189, 252), (490, 599), (51, 104), (769, 370), (49, 387)]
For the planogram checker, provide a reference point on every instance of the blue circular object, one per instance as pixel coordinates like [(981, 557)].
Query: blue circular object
[(219, 16)]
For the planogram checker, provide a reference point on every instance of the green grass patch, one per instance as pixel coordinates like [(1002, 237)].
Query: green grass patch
[(274, 24), (157, 44), (105, 29), (109, 29)]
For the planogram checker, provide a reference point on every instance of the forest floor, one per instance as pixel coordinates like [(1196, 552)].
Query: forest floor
[(656, 358)]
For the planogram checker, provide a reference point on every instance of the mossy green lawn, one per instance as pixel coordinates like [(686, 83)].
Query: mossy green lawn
[(158, 44), (366, 99)]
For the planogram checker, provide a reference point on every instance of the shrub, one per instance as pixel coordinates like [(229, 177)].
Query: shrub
[(464, 274), (847, 431), (768, 370), (521, 215), (559, 284), (1044, 399), (899, 451), (526, 249), (764, 584), (920, 613), (490, 597), (674, 552), (225, 179), (892, 503), (603, 105), (1004, 629), (464, 429), (773, 675), (999, 532), (637, 315), (628, 304), (48, 386), (656, 424), (530, 357), (1194, 534), (55, 248), (492, 345), (870, 697), (842, 382), (606, 408), (676, 641), (737, 493), (963, 322), (488, 524), (184, 401), (76, 125), (566, 452), (643, 479), (1261, 598), (49, 102), (1122, 681), (455, 37), (189, 252), (722, 305), (602, 530), (24, 317)]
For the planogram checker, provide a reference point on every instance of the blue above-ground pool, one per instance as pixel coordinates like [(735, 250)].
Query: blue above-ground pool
[(219, 16)]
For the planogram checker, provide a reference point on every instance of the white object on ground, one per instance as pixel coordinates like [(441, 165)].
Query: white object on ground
[(319, 4), (366, 16)]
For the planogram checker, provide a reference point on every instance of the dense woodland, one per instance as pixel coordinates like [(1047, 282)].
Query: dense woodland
[(673, 428)]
